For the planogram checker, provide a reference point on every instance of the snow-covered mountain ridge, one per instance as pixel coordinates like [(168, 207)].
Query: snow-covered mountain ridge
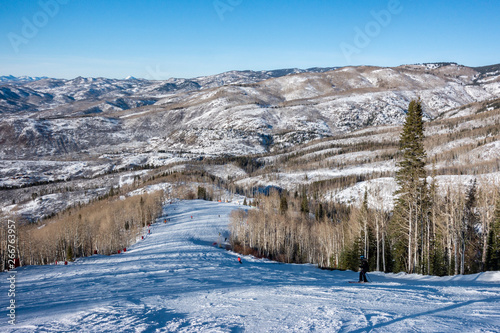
[(42, 93), (12, 78), (231, 113)]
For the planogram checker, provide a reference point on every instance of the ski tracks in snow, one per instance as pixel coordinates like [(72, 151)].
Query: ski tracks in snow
[(175, 280)]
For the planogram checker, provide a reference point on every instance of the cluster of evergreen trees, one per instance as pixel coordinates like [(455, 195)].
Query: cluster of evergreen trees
[(431, 230), (436, 234)]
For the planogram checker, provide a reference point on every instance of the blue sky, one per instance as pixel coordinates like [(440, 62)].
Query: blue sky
[(188, 38)]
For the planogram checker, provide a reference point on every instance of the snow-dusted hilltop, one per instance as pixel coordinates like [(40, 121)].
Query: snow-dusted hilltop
[(20, 79)]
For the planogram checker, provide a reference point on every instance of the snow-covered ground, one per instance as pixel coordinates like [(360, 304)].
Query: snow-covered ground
[(176, 280), (291, 180), (381, 190)]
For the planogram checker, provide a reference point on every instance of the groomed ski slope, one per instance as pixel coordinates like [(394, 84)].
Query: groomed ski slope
[(175, 280)]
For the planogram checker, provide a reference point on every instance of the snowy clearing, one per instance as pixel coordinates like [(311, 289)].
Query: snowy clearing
[(176, 280)]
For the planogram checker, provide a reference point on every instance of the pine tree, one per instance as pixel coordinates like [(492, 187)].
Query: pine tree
[(410, 177), (142, 212), (320, 212), (493, 250), (304, 205), (283, 204), (349, 258), (69, 253), (470, 240), (202, 193)]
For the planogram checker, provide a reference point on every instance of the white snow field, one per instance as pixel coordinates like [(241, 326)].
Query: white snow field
[(176, 280)]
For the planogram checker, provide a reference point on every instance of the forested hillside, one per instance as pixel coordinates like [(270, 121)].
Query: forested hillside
[(431, 229)]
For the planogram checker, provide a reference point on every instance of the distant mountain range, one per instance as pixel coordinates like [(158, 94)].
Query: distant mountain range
[(237, 112), (10, 78), (31, 94), (257, 74)]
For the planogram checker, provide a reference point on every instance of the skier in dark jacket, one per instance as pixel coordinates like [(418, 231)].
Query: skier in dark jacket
[(363, 269)]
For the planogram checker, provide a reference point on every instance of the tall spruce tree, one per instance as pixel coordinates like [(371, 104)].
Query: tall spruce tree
[(493, 250), (409, 210), (283, 203), (470, 242), (69, 253), (304, 205)]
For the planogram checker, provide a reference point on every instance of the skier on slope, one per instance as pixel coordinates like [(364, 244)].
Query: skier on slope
[(363, 269)]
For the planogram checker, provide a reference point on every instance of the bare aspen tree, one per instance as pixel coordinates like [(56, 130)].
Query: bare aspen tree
[(379, 217)]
